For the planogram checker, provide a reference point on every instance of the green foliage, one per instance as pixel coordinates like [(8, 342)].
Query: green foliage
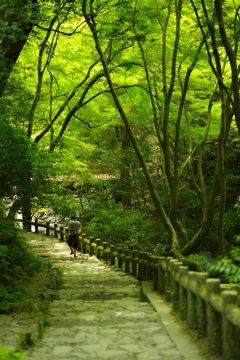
[(6, 354), (237, 205), (23, 167), (121, 226), (161, 249), (228, 267), (197, 258), (87, 128), (17, 263), (64, 205)]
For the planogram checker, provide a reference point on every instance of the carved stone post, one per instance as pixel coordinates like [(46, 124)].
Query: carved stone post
[(191, 312), (175, 284), (36, 226), (134, 262), (84, 245), (201, 305), (140, 265), (47, 228), (91, 250), (120, 258), (112, 247), (105, 254), (55, 231), (183, 280), (231, 335), (61, 233), (154, 263), (98, 251), (144, 266), (128, 258), (161, 275), (213, 319)]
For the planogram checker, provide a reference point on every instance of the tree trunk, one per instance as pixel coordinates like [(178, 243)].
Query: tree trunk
[(20, 19), (125, 177), (233, 62), (26, 213)]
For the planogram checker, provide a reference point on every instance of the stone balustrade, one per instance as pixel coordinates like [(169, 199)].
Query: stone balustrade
[(198, 299)]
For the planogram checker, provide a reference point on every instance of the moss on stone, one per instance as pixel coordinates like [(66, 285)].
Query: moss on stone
[(107, 251), (128, 258)]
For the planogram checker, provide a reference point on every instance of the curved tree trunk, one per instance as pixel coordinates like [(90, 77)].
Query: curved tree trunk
[(20, 18)]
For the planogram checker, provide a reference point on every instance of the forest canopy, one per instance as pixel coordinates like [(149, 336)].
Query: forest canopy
[(144, 92)]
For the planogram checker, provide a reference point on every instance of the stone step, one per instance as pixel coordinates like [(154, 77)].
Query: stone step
[(99, 314)]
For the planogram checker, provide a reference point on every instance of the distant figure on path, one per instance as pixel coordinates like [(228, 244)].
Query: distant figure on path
[(74, 230)]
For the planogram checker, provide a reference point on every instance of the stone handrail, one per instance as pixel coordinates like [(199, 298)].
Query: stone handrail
[(198, 299)]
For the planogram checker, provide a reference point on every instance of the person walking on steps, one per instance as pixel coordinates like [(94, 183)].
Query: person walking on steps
[(74, 230)]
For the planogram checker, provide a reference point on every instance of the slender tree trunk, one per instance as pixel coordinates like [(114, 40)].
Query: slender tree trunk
[(233, 62), (222, 179), (41, 69), (125, 176)]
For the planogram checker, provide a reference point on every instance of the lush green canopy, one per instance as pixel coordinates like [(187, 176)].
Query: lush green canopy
[(146, 91)]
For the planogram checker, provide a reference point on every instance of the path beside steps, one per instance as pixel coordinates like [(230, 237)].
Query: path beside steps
[(100, 315)]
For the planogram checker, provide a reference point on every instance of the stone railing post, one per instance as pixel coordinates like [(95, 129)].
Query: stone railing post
[(175, 284), (98, 251), (120, 258), (112, 247), (66, 232), (168, 279), (201, 305), (47, 228), (61, 233), (80, 241), (84, 245), (140, 265), (161, 275), (134, 262), (105, 254), (55, 231), (36, 225), (144, 266), (154, 264), (191, 301), (91, 250), (149, 267), (231, 335), (183, 279), (213, 319), (127, 261)]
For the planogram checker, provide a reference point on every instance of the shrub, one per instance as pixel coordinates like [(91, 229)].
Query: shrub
[(121, 226), (6, 354), (228, 268)]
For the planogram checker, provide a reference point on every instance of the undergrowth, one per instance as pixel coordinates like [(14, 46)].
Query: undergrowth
[(228, 269), (6, 354), (17, 263)]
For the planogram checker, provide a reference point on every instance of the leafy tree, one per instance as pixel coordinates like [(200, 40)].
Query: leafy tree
[(167, 104), (146, 78), (22, 170)]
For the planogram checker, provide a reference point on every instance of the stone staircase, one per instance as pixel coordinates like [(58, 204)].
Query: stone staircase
[(99, 313)]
